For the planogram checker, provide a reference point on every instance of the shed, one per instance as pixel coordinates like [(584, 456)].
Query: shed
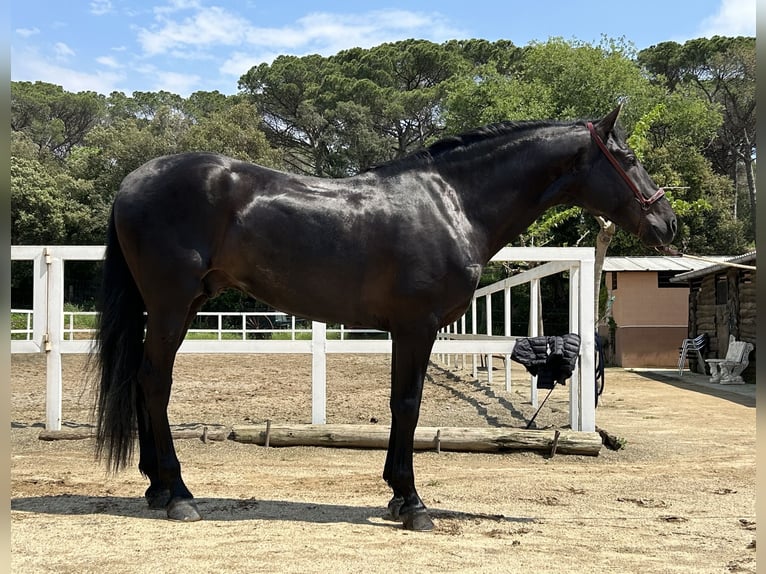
[(722, 302), (649, 312)]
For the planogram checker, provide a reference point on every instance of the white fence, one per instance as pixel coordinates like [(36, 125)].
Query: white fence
[(51, 330)]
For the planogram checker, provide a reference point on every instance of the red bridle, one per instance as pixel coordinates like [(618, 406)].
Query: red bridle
[(644, 201)]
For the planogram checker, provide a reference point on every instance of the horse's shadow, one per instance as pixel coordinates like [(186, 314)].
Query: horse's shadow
[(232, 509)]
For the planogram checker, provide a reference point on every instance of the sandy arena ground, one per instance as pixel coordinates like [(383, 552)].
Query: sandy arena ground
[(679, 497)]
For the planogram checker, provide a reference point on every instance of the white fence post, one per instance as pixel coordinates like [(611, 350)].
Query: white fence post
[(475, 358), (489, 334), (583, 405), (507, 333), (534, 321), (55, 312), (318, 373)]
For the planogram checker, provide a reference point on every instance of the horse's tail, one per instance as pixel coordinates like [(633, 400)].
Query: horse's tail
[(119, 346)]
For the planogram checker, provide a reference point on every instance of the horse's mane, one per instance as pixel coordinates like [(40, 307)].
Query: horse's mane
[(449, 144)]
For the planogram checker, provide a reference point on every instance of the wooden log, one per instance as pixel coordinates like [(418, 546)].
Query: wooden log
[(79, 434), (449, 438)]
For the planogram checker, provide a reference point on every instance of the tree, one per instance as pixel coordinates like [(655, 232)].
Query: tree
[(339, 115), (720, 70), (202, 104), (488, 96), (409, 80), (289, 97), (234, 131), (670, 141), (37, 207), (586, 80), (50, 207), (54, 119)]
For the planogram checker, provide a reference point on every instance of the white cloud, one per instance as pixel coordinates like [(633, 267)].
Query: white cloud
[(734, 18), (100, 7), (328, 33), (62, 51), (207, 27), (27, 32), (108, 61), (182, 84), (240, 62), (177, 6), (28, 65)]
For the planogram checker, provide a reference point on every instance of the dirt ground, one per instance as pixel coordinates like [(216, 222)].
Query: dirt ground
[(679, 497)]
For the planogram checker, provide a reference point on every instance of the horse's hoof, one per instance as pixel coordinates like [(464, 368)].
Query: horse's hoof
[(183, 510), (418, 520), (157, 499), (392, 512)]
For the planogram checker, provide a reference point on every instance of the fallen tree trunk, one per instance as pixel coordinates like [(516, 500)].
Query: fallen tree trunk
[(78, 434), (426, 438)]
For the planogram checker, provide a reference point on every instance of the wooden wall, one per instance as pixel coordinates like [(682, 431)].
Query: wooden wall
[(651, 321), (723, 303)]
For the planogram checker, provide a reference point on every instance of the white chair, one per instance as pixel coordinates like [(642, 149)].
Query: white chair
[(697, 344)]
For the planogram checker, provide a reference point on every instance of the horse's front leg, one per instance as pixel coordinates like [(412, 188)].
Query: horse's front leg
[(409, 363)]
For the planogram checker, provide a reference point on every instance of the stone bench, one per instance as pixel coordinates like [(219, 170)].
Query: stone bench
[(728, 371)]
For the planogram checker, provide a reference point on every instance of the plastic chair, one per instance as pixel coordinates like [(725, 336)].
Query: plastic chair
[(697, 344)]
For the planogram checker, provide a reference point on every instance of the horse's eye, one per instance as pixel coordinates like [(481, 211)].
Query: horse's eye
[(630, 159)]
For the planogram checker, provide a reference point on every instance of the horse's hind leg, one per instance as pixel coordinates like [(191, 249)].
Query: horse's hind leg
[(157, 495), (166, 327)]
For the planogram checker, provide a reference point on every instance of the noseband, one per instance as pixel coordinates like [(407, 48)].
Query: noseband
[(644, 201)]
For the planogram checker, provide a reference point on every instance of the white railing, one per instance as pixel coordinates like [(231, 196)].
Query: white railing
[(281, 326), (56, 332), (463, 331), (21, 316)]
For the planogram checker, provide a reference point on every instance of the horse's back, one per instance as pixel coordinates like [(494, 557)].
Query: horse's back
[(186, 177), (189, 195)]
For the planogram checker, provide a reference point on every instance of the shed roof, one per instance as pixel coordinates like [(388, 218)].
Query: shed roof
[(745, 259), (657, 263)]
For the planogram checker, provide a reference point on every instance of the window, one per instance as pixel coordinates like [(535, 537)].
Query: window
[(663, 280), (721, 290), (614, 280)]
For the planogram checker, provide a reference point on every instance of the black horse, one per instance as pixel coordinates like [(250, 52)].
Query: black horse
[(398, 248)]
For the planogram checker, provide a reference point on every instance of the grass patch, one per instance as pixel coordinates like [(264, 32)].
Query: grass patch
[(214, 336)]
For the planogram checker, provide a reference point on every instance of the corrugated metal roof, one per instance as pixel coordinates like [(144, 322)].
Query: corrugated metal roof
[(745, 259), (658, 263)]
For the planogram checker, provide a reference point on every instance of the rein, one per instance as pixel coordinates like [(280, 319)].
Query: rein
[(644, 201)]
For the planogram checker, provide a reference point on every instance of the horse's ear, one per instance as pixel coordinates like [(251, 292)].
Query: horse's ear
[(606, 124)]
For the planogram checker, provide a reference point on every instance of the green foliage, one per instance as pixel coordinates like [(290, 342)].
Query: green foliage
[(54, 119), (720, 72), (584, 80), (212, 133), (339, 115), (489, 96), (37, 208)]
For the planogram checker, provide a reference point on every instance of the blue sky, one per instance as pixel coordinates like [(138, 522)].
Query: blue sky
[(187, 45)]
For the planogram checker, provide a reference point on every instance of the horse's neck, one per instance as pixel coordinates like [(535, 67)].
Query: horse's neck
[(505, 192)]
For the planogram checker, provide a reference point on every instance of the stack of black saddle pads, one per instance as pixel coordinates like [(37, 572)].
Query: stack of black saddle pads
[(552, 359)]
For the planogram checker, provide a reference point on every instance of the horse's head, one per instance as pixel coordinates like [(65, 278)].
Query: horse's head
[(615, 185)]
